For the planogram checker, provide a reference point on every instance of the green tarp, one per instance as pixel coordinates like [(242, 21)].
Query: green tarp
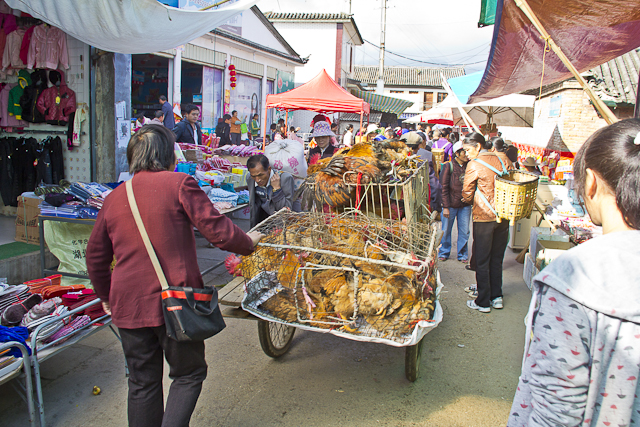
[(384, 104), (487, 13)]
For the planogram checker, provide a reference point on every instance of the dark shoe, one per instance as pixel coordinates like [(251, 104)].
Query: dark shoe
[(463, 260), (468, 267), (442, 258)]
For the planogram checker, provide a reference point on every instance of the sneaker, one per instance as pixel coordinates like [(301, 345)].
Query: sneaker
[(441, 258), (473, 294), (472, 305), (471, 288), (497, 303)]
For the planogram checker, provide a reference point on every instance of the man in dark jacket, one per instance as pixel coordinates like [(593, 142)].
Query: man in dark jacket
[(451, 178), (223, 130), (168, 120), (188, 130), (269, 190)]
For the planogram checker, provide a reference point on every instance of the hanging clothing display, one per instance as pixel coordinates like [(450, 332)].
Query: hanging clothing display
[(81, 116), (26, 42), (11, 54), (47, 48), (30, 96), (58, 101), (7, 120), (14, 107)]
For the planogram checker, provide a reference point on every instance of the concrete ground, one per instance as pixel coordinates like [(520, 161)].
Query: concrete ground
[(469, 371)]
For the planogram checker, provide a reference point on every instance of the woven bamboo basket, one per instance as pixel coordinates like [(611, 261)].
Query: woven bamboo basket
[(438, 159), (515, 195)]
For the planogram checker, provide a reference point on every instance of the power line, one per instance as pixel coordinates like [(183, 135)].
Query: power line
[(423, 62)]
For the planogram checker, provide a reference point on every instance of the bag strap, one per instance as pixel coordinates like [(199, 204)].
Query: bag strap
[(504, 168), (486, 202), (145, 236)]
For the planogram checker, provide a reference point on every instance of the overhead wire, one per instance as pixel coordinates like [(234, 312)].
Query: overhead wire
[(424, 62)]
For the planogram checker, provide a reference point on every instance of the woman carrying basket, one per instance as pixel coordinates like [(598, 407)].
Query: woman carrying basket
[(490, 237), (170, 205)]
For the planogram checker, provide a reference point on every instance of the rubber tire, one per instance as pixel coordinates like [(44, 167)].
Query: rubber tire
[(412, 357), (265, 330)]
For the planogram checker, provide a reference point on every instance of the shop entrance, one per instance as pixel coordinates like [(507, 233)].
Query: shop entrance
[(150, 79)]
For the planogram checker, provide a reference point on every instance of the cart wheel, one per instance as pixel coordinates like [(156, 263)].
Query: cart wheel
[(275, 338), (412, 357)]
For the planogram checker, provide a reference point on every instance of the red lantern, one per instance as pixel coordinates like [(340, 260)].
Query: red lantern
[(232, 67), (233, 79), (232, 72), (233, 84)]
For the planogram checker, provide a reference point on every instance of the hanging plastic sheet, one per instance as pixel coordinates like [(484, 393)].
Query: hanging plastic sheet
[(129, 26), (590, 32)]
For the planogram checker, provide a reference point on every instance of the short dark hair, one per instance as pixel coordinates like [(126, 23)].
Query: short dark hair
[(273, 126), (159, 114), (256, 115), (612, 153), (163, 98), (190, 107), (499, 144), (253, 161), (512, 153), (226, 117), (349, 127), (233, 112), (292, 128), (151, 149)]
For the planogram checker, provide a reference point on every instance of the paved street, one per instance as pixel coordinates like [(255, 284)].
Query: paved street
[(323, 380)]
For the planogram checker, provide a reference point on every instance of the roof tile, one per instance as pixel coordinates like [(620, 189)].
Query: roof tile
[(407, 76)]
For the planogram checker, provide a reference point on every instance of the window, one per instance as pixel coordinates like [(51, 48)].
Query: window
[(554, 106), (396, 91), (413, 92), (428, 100), (441, 96)]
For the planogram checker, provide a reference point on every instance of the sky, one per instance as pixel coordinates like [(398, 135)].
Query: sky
[(428, 33)]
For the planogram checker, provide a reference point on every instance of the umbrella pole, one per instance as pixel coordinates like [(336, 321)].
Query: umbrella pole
[(597, 102), (264, 130), (463, 113), (360, 128)]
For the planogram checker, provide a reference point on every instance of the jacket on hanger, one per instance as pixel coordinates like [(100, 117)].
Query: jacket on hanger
[(24, 46), (58, 101), (47, 48), (11, 54), (14, 107), (7, 120), (30, 96)]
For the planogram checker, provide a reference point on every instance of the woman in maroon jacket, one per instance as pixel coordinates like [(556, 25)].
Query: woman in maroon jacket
[(170, 205)]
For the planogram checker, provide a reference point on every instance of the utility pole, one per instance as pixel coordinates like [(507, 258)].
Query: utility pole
[(380, 83)]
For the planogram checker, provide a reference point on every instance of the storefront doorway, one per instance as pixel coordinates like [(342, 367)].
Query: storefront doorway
[(150, 79)]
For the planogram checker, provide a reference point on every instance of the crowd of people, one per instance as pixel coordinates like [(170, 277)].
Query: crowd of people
[(580, 359)]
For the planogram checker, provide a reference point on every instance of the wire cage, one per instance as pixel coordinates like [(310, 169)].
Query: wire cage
[(515, 195), (396, 199), (372, 278)]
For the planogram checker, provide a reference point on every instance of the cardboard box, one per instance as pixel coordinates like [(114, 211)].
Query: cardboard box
[(235, 159), (244, 213), (547, 251), (27, 220), (544, 233)]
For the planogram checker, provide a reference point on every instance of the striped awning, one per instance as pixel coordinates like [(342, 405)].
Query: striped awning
[(385, 104)]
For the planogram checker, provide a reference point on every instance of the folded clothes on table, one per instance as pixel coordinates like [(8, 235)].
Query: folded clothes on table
[(16, 333), (77, 323), (43, 309), (36, 285)]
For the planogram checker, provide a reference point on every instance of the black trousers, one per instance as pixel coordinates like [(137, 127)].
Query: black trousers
[(490, 242), (143, 349)]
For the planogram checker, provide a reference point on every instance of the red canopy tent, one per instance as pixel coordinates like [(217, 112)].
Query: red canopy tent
[(321, 94)]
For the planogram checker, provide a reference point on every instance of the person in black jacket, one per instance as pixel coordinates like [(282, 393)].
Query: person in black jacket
[(223, 130), (188, 130), (451, 179)]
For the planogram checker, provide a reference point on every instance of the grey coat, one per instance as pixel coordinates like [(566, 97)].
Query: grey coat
[(275, 200)]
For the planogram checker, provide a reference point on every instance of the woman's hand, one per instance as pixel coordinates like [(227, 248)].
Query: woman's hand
[(106, 307), (255, 236)]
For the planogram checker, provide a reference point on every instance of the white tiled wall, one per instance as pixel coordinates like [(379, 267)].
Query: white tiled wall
[(77, 163)]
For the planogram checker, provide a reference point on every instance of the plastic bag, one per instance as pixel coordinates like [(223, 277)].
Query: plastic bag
[(68, 243), (288, 155)]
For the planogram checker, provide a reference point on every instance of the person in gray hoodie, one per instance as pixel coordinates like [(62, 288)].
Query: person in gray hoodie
[(581, 361)]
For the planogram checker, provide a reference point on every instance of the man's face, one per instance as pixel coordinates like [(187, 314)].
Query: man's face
[(192, 117), (323, 141), (462, 156), (259, 175), (161, 101)]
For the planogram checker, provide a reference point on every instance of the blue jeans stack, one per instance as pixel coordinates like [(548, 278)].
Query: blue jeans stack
[(463, 215)]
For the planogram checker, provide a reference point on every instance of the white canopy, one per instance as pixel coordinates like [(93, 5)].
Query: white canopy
[(129, 26), (509, 110)]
